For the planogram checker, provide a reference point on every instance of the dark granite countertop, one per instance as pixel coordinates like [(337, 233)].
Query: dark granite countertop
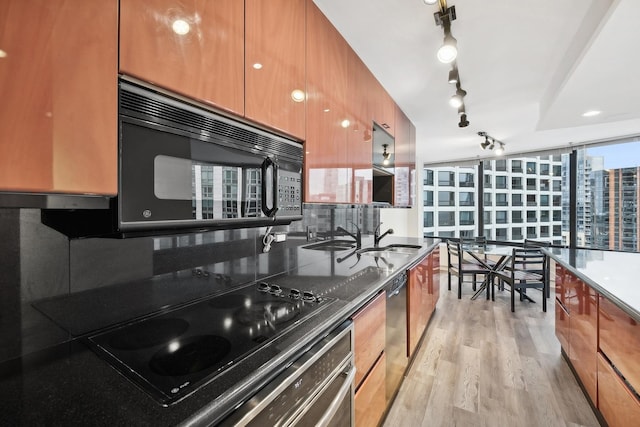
[(615, 275), (71, 385)]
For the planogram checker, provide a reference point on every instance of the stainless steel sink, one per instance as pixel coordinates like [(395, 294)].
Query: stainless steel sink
[(332, 245), (390, 249)]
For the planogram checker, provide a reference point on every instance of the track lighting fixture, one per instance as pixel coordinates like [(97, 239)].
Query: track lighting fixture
[(491, 142), (456, 100), (453, 76), (385, 154), (448, 53)]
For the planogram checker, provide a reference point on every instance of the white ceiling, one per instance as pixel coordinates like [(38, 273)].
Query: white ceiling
[(530, 69)]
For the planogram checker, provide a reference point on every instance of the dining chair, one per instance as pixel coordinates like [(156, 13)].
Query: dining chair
[(528, 243), (460, 266), (527, 269)]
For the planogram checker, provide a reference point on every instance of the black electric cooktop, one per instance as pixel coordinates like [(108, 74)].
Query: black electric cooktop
[(173, 354)]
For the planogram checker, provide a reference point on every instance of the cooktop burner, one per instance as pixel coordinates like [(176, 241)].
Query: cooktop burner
[(182, 357), (172, 354)]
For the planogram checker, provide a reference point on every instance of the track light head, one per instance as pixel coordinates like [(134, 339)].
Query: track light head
[(486, 142), (453, 76), (500, 149), (463, 121), (385, 154), (448, 52), (457, 100)]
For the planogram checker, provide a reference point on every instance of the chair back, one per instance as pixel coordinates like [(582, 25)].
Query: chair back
[(454, 258), (529, 260)]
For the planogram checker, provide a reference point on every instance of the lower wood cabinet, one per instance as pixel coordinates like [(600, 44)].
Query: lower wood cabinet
[(619, 340), (562, 325), (618, 405), (370, 397), (423, 290), (369, 335)]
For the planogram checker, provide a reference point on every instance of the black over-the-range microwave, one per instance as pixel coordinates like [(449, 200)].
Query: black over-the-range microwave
[(182, 166)]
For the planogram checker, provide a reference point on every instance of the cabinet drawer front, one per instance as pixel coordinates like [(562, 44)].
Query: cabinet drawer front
[(618, 405), (370, 398), (562, 326), (620, 340), (369, 335)]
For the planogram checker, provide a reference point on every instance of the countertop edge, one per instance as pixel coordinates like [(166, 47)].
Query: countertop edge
[(611, 297)]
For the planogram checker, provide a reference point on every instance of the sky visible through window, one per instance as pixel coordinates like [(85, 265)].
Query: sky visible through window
[(618, 156)]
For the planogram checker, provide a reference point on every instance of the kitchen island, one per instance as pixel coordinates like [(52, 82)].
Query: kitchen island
[(70, 384), (597, 315)]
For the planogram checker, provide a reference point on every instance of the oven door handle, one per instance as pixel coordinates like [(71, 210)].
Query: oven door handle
[(269, 164), (337, 401)]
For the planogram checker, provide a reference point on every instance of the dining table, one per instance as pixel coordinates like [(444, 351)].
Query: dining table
[(494, 258)]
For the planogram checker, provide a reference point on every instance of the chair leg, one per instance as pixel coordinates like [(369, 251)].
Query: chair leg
[(460, 286), (544, 298), (513, 298), (449, 274)]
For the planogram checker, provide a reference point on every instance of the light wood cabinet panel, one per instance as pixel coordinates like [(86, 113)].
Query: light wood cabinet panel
[(328, 174), (275, 39), (191, 47), (583, 335), (419, 301), (369, 335), (359, 132), (618, 405), (619, 340), (59, 95), (562, 283), (370, 398), (562, 326), (404, 161), (382, 106)]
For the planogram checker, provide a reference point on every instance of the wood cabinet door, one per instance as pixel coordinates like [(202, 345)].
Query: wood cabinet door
[(383, 106), (419, 302), (562, 326), (434, 287), (369, 335), (328, 174), (583, 333), (370, 398), (275, 64), (59, 95), (360, 130), (404, 162), (191, 47), (618, 405), (619, 340)]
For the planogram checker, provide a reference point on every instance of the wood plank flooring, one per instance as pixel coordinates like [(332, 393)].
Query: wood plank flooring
[(481, 365)]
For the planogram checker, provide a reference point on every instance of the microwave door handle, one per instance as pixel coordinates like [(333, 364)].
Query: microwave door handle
[(269, 211)]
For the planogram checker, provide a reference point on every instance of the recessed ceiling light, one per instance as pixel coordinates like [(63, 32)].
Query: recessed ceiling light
[(591, 113), (180, 27)]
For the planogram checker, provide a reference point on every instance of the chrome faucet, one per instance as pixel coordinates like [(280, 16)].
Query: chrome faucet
[(357, 237), (377, 237)]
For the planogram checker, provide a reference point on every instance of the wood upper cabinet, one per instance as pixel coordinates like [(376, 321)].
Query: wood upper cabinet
[(382, 106), (360, 130), (275, 64), (58, 80), (191, 47), (328, 174), (405, 159)]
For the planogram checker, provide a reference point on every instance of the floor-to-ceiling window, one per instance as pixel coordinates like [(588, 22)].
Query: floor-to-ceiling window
[(530, 198)]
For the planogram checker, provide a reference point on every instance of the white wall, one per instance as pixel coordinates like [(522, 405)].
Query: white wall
[(407, 221)]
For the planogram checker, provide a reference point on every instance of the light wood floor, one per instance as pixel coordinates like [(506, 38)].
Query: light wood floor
[(481, 365)]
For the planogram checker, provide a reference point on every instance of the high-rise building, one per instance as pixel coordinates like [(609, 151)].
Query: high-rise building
[(515, 199)]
